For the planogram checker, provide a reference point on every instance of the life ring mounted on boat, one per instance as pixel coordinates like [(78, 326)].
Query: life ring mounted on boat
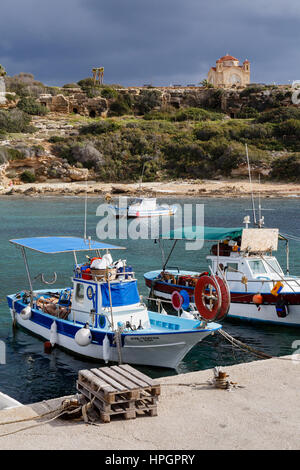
[(212, 298)]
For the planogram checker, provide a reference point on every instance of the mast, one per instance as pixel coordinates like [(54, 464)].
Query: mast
[(252, 196)]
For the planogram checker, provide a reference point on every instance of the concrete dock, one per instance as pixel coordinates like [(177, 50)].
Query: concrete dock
[(262, 412)]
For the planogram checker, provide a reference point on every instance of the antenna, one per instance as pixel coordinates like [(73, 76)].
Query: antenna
[(260, 217), (252, 197)]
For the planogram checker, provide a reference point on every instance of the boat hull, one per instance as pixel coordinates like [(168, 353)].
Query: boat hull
[(161, 347), (241, 306)]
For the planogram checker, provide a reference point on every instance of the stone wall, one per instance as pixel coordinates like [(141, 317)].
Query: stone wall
[(230, 101)]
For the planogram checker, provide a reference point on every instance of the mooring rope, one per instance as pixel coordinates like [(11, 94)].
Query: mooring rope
[(239, 344)]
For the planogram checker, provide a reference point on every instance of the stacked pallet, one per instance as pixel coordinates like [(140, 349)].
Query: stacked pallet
[(119, 390)]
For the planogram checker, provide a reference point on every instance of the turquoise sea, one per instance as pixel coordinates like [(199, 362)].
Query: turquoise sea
[(30, 375)]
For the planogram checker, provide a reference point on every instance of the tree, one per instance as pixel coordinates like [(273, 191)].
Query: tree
[(2, 71), (206, 83)]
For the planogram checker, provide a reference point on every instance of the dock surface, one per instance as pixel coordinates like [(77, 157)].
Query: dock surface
[(261, 413)]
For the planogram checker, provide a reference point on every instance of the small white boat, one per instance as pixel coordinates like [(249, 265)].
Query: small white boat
[(144, 207), (7, 402), (101, 316)]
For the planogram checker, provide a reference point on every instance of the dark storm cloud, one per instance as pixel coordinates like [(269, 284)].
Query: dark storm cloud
[(148, 41)]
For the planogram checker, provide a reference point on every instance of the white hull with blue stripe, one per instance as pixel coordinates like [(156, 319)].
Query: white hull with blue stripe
[(164, 343), (102, 317)]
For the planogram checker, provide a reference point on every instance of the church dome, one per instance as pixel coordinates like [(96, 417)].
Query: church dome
[(227, 57)]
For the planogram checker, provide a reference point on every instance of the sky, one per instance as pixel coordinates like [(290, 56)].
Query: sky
[(158, 42)]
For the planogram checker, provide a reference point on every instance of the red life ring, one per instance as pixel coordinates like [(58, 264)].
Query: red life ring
[(93, 259), (212, 298), (226, 298)]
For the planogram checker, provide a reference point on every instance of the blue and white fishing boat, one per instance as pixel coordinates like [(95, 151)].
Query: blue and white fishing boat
[(101, 315), (144, 207)]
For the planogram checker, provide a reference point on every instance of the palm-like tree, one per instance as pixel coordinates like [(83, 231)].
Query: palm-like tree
[(2, 71)]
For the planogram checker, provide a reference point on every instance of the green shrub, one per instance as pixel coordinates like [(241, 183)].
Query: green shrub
[(247, 112), (15, 154), (147, 100), (71, 85), (30, 106), (97, 128), (196, 114), (286, 168), (55, 139), (279, 115), (122, 105), (27, 177), (15, 120), (109, 93), (208, 130), (289, 128), (251, 89)]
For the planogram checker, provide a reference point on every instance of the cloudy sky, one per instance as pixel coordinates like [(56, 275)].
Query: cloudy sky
[(148, 41)]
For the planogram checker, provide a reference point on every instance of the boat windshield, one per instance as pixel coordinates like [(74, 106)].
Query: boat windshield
[(273, 266), (257, 266)]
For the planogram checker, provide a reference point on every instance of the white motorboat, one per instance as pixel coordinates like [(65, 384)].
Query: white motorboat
[(101, 315), (260, 290), (144, 207)]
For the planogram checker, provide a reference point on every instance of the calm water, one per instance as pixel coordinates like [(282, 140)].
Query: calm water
[(31, 375)]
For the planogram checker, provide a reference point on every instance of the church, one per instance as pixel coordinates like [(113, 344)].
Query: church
[(228, 73)]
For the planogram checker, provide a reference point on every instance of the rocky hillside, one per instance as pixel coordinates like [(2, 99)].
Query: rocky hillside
[(114, 134)]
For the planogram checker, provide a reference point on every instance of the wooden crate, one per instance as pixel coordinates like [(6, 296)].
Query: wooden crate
[(119, 390)]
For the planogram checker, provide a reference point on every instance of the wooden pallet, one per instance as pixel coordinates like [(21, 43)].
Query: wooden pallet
[(119, 390)]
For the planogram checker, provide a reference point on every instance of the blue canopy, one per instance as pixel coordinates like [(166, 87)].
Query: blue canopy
[(51, 245), (122, 293), (203, 233)]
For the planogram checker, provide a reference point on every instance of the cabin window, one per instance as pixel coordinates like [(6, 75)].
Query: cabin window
[(257, 266), (79, 295), (232, 267)]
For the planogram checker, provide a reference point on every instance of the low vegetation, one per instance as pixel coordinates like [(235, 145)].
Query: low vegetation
[(185, 148), (142, 133)]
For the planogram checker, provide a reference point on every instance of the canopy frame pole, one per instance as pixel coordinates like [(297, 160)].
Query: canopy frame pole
[(169, 256), (110, 302), (27, 268), (287, 257), (161, 250), (75, 258), (218, 256)]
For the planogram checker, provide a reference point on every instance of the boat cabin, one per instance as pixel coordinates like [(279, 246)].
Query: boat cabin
[(103, 291)]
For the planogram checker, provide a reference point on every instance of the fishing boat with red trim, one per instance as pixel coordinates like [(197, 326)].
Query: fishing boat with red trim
[(259, 288)]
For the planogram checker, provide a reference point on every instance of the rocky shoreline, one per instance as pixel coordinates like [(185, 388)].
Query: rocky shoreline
[(207, 188)]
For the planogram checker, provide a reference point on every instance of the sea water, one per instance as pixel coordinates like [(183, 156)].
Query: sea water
[(30, 375)]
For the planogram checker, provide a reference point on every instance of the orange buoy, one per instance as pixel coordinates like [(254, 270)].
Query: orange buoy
[(258, 299)]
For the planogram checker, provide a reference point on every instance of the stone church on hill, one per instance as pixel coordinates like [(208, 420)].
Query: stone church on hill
[(228, 73)]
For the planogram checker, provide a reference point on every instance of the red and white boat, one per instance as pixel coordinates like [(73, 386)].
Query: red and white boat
[(259, 288)]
